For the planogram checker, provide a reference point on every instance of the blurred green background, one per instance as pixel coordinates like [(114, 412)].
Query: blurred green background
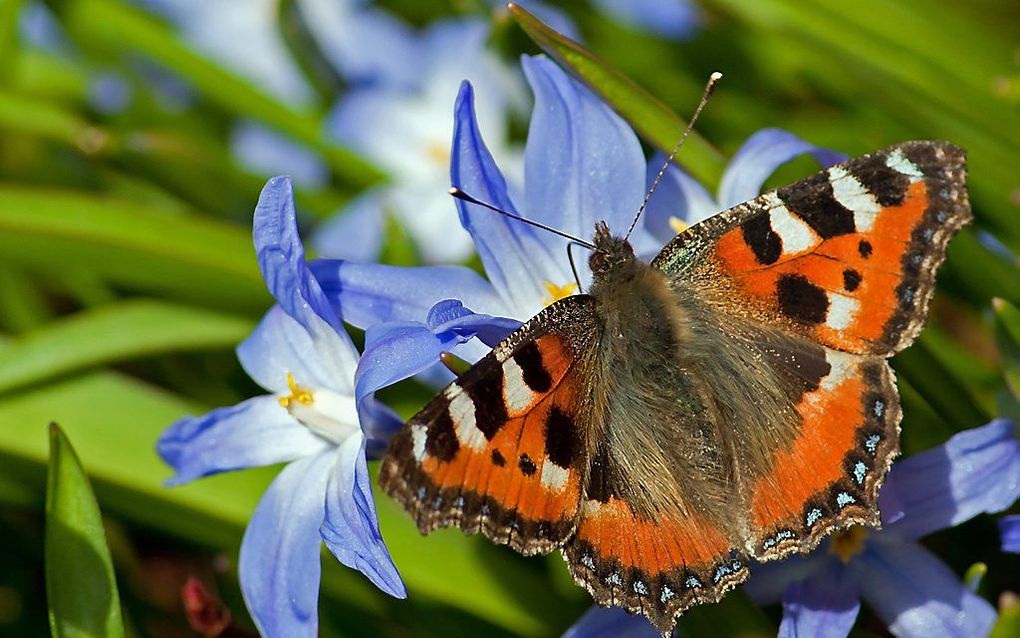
[(127, 274)]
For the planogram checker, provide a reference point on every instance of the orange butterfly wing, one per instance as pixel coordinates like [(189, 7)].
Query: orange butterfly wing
[(846, 257), (500, 450)]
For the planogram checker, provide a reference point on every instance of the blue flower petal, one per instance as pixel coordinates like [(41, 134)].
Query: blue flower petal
[(396, 351), (976, 471), (399, 350), (582, 162), (918, 595), (281, 258), (450, 316), (354, 233), (759, 157), (825, 605), (379, 422), (279, 565), (351, 529), (517, 257), (677, 195), (376, 122), (369, 294), (677, 19), (1009, 528), (252, 433), (280, 345), (613, 622)]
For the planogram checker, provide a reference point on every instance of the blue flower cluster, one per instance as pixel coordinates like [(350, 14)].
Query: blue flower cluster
[(581, 163)]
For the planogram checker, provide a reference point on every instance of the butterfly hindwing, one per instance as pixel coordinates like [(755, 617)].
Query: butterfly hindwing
[(829, 474), (846, 257), (501, 450), (655, 566)]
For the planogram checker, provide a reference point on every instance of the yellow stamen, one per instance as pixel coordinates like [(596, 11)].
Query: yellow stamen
[(678, 225), (297, 393), (557, 292), (848, 543), (438, 153)]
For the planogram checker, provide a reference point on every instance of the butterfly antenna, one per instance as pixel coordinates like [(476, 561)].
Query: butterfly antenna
[(461, 195), (712, 81)]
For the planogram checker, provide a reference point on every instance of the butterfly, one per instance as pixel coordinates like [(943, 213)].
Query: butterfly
[(729, 401)]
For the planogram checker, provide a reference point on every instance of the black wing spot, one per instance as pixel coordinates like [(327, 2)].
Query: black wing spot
[(487, 396), (764, 242), (529, 358), (813, 201), (497, 458), (560, 437), (887, 185), (527, 465), (441, 438), (851, 279), (864, 248), (801, 300)]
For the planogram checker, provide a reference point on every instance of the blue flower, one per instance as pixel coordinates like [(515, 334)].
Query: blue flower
[(310, 421), (406, 131), (676, 19), (976, 471), (680, 201), (582, 164), (1009, 528)]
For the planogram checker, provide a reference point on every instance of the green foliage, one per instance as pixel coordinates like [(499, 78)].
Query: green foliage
[(80, 584), (127, 274)]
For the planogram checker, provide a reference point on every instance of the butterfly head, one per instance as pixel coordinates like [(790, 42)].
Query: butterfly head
[(613, 257)]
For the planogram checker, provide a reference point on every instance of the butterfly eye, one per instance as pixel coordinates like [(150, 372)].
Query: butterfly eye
[(598, 262)]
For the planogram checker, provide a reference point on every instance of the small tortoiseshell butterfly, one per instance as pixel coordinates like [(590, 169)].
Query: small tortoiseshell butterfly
[(729, 401)]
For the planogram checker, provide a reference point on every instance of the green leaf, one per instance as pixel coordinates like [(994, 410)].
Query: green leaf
[(184, 256), (113, 334), (649, 117), (80, 585)]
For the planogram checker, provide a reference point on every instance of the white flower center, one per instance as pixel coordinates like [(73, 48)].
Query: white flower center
[(331, 415)]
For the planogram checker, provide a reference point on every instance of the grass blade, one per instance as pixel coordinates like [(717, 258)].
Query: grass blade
[(80, 586), (184, 256), (115, 333)]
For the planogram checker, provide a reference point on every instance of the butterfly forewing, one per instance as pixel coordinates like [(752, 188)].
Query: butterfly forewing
[(846, 257), (501, 450)]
